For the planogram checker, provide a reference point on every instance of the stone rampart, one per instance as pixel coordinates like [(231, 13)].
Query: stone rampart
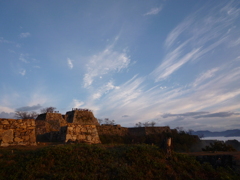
[(112, 130), (142, 131), (157, 130), (81, 116), (80, 133), (17, 132), (52, 117), (47, 126)]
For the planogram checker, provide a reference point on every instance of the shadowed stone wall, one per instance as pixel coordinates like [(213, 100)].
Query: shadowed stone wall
[(142, 131), (17, 132), (81, 116), (112, 130), (136, 131), (79, 127), (47, 124)]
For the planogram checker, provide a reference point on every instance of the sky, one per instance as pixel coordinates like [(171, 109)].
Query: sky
[(173, 62)]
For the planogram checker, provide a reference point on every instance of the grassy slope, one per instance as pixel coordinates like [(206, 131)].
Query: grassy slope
[(104, 162)]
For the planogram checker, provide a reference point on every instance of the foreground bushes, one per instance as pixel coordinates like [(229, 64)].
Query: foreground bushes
[(104, 162), (182, 141)]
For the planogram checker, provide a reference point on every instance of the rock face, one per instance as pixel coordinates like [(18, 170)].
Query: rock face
[(17, 132)]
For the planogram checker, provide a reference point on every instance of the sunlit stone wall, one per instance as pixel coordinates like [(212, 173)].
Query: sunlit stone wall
[(17, 132)]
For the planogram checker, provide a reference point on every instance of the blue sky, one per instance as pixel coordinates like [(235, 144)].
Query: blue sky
[(173, 62)]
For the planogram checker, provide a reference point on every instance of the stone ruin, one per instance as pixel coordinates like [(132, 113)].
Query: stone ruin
[(17, 132), (78, 125)]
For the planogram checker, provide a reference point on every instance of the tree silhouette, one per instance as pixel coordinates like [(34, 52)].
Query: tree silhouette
[(48, 110), (25, 115)]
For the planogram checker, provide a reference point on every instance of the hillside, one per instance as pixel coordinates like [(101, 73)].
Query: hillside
[(79, 161)]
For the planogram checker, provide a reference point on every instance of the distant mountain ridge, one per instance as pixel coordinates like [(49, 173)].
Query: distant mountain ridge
[(227, 133)]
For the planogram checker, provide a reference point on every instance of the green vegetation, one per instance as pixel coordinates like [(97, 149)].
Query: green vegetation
[(182, 141), (81, 161), (219, 146)]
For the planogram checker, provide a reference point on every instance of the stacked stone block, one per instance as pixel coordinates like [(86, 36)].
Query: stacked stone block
[(17, 132), (81, 116), (81, 133), (115, 130)]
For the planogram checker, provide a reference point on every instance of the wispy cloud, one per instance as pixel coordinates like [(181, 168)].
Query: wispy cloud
[(175, 61), (24, 35), (76, 103), (211, 90), (217, 114), (70, 64), (2, 40), (23, 57), (197, 115), (196, 36), (22, 72), (204, 76), (105, 62), (153, 11), (104, 89)]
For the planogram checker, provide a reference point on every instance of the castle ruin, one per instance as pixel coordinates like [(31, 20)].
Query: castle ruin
[(78, 125)]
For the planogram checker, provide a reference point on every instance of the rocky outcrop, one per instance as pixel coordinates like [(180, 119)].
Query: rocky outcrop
[(17, 132)]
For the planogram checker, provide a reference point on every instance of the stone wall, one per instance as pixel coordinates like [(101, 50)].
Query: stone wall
[(47, 126), (157, 130), (80, 133), (52, 117), (17, 132), (112, 130), (142, 131), (81, 116)]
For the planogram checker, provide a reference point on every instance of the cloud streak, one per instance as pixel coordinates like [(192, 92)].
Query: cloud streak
[(22, 72), (24, 35), (153, 11), (70, 64), (204, 34), (105, 62)]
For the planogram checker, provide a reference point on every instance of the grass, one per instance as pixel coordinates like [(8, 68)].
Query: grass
[(82, 161)]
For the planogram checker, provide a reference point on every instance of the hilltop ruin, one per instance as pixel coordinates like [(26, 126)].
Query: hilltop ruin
[(78, 125)]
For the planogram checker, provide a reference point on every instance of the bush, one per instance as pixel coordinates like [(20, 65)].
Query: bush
[(219, 146)]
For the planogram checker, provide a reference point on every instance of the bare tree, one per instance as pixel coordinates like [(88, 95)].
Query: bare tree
[(146, 124), (48, 110), (152, 124), (139, 124), (190, 132), (107, 121), (25, 115)]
